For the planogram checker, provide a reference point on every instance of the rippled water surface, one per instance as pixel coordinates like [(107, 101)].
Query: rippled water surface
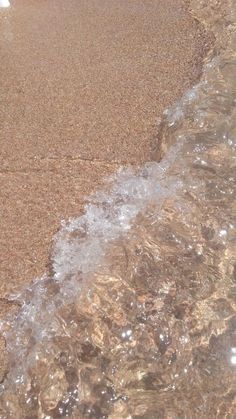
[(138, 317)]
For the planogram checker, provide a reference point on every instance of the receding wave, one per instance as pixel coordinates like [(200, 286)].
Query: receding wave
[(138, 316)]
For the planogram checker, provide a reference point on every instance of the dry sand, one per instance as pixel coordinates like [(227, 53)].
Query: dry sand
[(83, 83)]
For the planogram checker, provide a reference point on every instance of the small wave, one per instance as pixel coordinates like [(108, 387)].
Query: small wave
[(138, 315)]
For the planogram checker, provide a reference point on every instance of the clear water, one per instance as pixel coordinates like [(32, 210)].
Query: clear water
[(138, 316)]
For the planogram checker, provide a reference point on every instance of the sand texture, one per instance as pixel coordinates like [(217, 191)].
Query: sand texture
[(83, 86)]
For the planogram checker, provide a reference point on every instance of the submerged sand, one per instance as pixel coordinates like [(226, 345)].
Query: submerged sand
[(83, 86), (138, 316)]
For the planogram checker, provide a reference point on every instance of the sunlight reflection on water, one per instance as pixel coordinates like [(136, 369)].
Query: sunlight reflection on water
[(138, 317), (4, 3)]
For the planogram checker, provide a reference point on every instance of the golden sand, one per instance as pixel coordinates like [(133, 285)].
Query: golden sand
[(83, 85)]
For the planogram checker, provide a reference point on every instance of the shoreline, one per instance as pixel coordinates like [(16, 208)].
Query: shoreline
[(36, 193), (27, 176), (212, 156)]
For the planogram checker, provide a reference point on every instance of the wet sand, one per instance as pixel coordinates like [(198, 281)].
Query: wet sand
[(83, 86), (138, 315)]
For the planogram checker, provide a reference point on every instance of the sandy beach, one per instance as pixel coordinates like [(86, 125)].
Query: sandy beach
[(117, 300), (83, 87)]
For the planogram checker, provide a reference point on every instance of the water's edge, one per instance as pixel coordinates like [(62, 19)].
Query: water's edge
[(141, 300)]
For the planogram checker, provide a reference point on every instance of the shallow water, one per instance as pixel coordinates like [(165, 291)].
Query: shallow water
[(138, 317)]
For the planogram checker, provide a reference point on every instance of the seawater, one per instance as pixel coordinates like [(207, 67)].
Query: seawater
[(138, 316)]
